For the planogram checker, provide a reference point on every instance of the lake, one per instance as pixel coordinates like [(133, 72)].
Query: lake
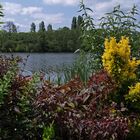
[(45, 62)]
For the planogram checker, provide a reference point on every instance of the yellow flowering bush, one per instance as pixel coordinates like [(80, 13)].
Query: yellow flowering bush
[(133, 97), (117, 59), (134, 93)]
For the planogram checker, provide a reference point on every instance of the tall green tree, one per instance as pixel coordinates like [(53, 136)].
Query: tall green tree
[(79, 21), (33, 27), (14, 28), (49, 27), (74, 23), (42, 27)]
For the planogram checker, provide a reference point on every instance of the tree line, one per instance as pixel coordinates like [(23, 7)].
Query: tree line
[(42, 40)]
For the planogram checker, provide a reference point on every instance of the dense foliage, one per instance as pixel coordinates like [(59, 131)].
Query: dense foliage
[(77, 111), (33, 108), (61, 40), (16, 97), (101, 106)]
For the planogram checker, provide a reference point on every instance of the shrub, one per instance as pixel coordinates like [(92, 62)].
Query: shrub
[(17, 93), (80, 113), (133, 97), (117, 60)]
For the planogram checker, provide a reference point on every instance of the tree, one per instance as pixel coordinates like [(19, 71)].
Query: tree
[(79, 21), (33, 27), (74, 22), (10, 27), (49, 27), (42, 27), (14, 28)]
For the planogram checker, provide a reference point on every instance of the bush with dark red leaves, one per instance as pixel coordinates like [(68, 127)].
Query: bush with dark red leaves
[(82, 113)]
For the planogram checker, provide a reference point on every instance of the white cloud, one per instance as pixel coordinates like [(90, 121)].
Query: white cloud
[(30, 14), (17, 9), (12, 8), (62, 2), (49, 18), (33, 12), (103, 6), (30, 10), (108, 5)]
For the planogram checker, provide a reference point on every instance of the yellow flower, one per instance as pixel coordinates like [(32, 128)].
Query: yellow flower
[(134, 93), (116, 59)]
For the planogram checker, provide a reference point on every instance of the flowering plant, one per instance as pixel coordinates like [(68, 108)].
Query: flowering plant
[(133, 97), (117, 60)]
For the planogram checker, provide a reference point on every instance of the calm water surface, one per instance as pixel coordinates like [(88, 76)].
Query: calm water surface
[(45, 61)]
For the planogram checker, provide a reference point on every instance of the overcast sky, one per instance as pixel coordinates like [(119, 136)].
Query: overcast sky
[(59, 13)]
